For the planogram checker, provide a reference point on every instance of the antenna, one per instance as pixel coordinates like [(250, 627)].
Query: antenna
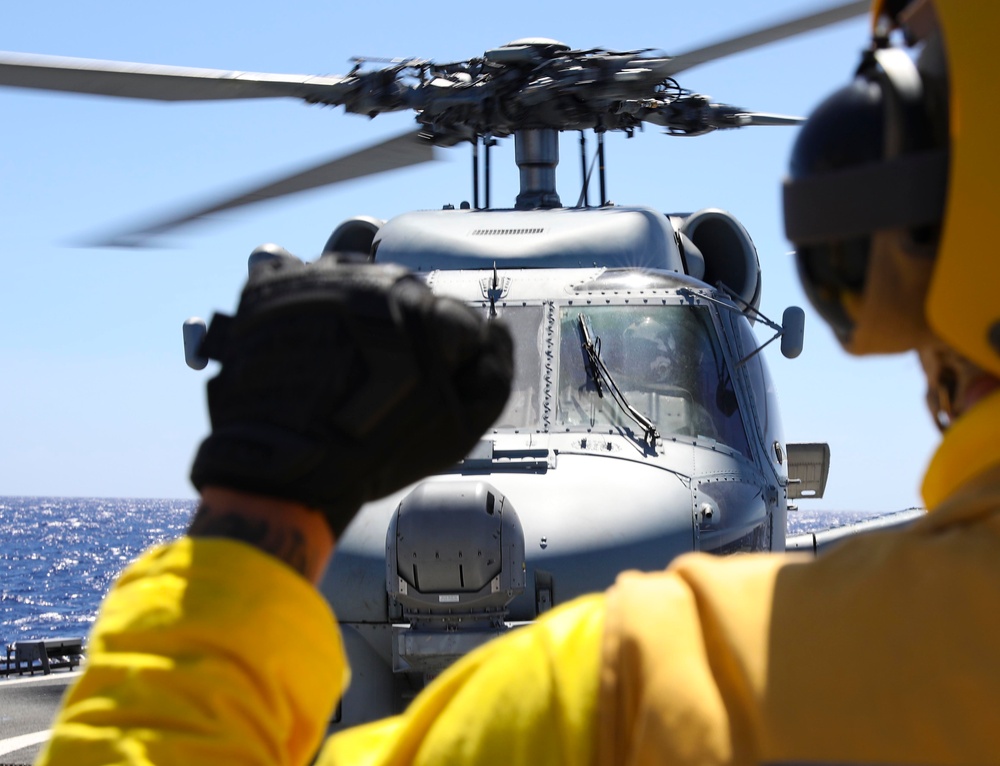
[(600, 166), (488, 143), (475, 173)]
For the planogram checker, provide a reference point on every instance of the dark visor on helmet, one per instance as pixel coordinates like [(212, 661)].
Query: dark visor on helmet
[(906, 191)]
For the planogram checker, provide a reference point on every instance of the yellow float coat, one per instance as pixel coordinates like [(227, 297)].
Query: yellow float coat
[(884, 650)]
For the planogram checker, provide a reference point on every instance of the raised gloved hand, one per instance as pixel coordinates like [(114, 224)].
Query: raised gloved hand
[(342, 382)]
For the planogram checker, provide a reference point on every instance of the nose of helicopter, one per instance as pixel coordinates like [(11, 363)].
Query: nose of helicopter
[(582, 525), (562, 532), (598, 521)]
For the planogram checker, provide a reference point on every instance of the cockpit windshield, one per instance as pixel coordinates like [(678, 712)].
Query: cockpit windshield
[(666, 360)]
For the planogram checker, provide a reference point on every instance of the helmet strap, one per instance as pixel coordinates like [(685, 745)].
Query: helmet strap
[(954, 384)]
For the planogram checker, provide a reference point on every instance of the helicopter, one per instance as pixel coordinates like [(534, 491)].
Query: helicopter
[(643, 422)]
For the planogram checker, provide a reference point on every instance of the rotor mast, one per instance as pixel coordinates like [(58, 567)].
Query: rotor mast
[(536, 151)]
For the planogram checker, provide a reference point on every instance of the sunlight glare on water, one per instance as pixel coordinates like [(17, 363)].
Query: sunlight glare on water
[(59, 556)]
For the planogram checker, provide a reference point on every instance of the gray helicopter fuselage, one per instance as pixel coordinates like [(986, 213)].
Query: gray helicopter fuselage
[(589, 489)]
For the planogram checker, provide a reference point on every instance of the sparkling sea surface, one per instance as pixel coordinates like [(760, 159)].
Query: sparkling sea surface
[(59, 556)]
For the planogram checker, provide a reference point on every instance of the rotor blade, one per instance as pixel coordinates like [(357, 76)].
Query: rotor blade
[(398, 152), (763, 118), (160, 83), (765, 36)]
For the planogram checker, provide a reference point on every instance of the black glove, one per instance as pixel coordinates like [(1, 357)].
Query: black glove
[(343, 382)]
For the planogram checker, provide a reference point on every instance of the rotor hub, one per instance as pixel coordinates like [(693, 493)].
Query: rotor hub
[(527, 50)]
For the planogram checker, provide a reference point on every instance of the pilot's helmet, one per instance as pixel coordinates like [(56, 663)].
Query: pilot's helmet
[(650, 352), (908, 151)]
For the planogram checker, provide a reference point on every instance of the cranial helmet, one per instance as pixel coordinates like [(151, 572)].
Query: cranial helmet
[(648, 331), (649, 348), (907, 146)]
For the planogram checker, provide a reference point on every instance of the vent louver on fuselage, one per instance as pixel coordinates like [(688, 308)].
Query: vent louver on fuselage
[(504, 232)]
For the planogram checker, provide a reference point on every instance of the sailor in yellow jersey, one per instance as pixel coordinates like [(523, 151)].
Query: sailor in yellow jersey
[(883, 651)]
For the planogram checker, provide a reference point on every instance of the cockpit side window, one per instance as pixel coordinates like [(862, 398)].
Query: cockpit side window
[(524, 407), (666, 360), (765, 398)]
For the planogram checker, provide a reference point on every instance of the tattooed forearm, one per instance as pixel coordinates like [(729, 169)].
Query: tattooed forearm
[(282, 542)]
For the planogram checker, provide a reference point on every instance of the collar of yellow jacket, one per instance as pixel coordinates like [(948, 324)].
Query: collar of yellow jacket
[(969, 447)]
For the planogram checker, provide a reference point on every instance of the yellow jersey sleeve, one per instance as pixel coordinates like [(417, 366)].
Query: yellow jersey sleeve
[(529, 697), (205, 651)]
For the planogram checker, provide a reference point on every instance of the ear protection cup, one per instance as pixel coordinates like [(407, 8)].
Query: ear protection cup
[(865, 160)]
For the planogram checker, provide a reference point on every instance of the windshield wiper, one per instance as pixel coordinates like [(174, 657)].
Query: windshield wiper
[(593, 352), (602, 378)]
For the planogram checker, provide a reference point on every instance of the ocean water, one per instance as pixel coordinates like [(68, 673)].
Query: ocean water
[(59, 556)]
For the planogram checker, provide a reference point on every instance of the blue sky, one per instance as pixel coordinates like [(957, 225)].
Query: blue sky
[(96, 398)]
